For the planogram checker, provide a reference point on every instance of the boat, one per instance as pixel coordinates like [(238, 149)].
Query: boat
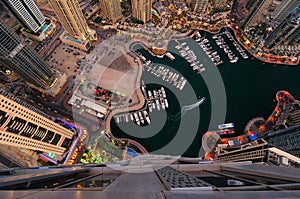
[(117, 119), (182, 84), (146, 115), (234, 60), (166, 103), (137, 120), (154, 94), (162, 102), (149, 105), (153, 105), (148, 62), (131, 117), (157, 105), (149, 94), (170, 56), (141, 117), (126, 118), (200, 101), (226, 126), (163, 92)]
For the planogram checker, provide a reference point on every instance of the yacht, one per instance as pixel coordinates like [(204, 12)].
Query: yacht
[(163, 92), (162, 102), (170, 56), (149, 94), (137, 120), (226, 126), (157, 105), (141, 117), (149, 105), (146, 115), (131, 117), (166, 103), (182, 84)]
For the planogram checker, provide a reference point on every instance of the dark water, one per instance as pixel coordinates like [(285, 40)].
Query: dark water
[(234, 93)]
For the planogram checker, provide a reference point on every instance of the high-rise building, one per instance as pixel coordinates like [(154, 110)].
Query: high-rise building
[(259, 152), (283, 10), (71, 17), (209, 180), (111, 9), (22, 60), (200, 6), (286, 139), (251, 3), (287, 32), (258, 10), (142, 9), (27, 13), (26, 128)]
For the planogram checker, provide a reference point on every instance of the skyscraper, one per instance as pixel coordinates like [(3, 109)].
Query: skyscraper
[(23, 127), (21, 59), (286, 32), (257, 11), (27, 13), (200, 5), (283, 10), (142, 9), (71, 17), (111, 9)]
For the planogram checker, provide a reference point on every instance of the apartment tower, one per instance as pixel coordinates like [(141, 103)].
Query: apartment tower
[(142, 9), (111, 10), (23, 60), (27, 13), (26, 128)]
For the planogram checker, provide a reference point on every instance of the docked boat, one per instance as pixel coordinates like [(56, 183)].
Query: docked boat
[(141, 117), (146, 115), (226, 126), (157, 105), (149, 94), (182, 84), (166, 103), (170, 56), (137, 120), (234, 60), (162, 102), (149, 105), (131, 117), (163, 92)]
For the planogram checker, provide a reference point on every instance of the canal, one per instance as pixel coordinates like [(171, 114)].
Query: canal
[(234, 93)]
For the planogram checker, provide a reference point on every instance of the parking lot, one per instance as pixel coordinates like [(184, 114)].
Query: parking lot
[(65, 58)]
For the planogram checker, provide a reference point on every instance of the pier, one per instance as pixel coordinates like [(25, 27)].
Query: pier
[(190, 56)]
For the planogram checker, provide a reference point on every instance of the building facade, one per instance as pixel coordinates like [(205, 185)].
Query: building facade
[(22, 60), (111, 10), (23, 127), (283, 10), (200, 6), (142, 10), (27, 13), (286, 139), (287, 32), (71, 17), (258, 10)]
